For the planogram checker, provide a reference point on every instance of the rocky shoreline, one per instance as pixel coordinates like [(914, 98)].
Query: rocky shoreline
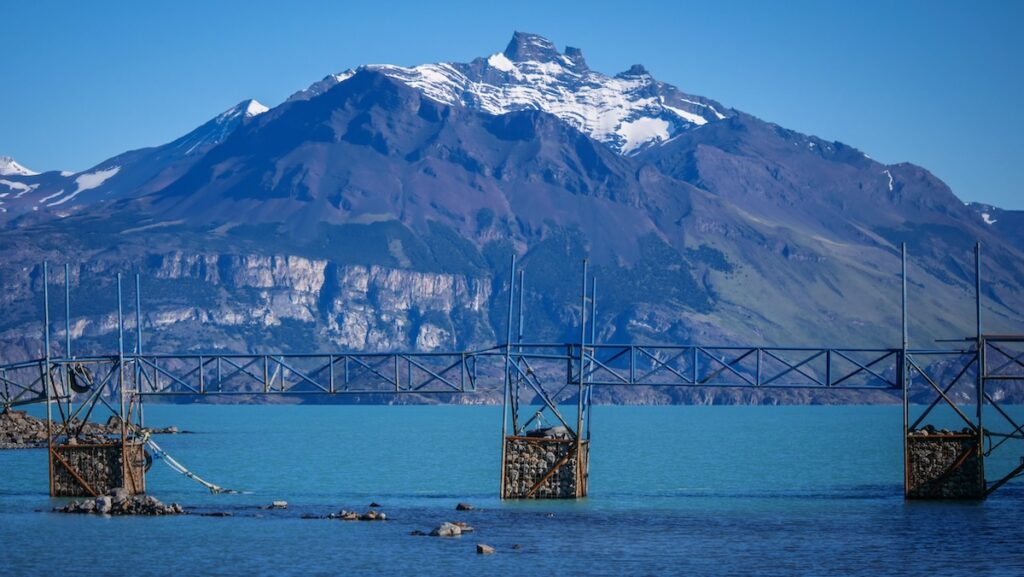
[(119, 502), (19, 430)]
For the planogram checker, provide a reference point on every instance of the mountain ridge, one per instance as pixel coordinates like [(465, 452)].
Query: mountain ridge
[(356, 214)]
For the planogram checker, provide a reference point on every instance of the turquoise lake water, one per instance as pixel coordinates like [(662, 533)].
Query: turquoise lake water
[(673, 491)]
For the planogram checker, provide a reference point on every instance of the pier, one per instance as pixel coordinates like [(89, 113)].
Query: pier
[(546, 390)]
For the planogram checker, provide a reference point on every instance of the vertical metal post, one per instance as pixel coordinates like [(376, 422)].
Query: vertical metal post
[(138, 314), (47, 381), (67, 330), (903, 276), (522, 297), (67, 311), (979, 384), (138, 343), (593, 343), (579, 393), (125, 472), (330, 364), (514, 392), (508, 360), (903, 371)]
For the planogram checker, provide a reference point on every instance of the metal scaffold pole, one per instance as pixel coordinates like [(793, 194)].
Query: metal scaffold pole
[(904, 376), (67, 329), (979, 383), (580, 388), (507, 389), (47, 378)]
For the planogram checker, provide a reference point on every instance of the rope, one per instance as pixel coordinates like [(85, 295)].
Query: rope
[(179, 468)]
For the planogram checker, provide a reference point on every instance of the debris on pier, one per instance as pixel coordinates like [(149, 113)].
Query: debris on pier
[(19, 430)]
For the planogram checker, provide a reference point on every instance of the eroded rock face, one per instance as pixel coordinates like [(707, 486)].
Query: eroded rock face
[(352, 307)]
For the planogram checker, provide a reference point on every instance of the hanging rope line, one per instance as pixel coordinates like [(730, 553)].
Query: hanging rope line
[(178, 467)]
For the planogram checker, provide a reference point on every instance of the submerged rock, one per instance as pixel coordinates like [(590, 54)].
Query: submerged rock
[(446, 530)]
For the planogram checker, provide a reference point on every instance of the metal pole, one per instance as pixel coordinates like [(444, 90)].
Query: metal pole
[(903, 253), (67, 330), (904, 376), (522, 297), (579, 393), (980, 381), (514, 392), (67, 310), (47, 381), (138, 314), (138, 342), (120, 378), (508, 359), (593, 341)]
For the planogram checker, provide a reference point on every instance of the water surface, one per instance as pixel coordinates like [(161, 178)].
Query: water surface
[(673, 491)]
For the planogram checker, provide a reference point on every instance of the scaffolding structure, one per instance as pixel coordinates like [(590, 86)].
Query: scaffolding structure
[(546, 390)]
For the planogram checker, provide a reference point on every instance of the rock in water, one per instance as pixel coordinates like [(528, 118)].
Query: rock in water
[(104, 504), (463, 507), (119, 504), (482, 549), (446, 530)]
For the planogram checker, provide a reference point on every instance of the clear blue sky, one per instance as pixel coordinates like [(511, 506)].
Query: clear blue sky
[(936, 83)]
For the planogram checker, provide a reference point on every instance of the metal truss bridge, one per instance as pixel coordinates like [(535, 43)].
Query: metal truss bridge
[(559, 378)]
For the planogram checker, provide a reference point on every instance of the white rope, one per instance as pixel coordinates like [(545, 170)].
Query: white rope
[(178, 467)]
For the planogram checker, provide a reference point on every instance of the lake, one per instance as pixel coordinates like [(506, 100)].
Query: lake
[(678, 490)]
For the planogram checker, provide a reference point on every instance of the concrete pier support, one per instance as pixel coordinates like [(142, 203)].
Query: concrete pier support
[(545, 468), (96, 469), (944, 465)]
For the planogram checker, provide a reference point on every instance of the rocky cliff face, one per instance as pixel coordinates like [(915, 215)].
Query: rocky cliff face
[(302, 303)]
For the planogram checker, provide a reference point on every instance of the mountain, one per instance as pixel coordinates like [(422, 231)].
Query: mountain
[(628, 112), (377, 210), (10, 167), (130, 174), (1008, 224)]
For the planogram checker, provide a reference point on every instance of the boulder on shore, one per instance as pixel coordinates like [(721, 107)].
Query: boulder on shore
[(119, 503)]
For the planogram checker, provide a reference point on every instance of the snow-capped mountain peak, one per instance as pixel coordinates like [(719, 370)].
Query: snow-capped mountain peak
[(526, 47), (244, 109), (254, 108), (219, 128), (628, 112), (10, 167)]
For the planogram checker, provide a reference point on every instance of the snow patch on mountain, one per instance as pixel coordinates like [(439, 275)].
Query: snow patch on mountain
[(50, 197), (500, 62), (988, 219), (21, 187), (892, 182), (65, 199), (10, 167), (92, 180), (642, 131), (255, 108)]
